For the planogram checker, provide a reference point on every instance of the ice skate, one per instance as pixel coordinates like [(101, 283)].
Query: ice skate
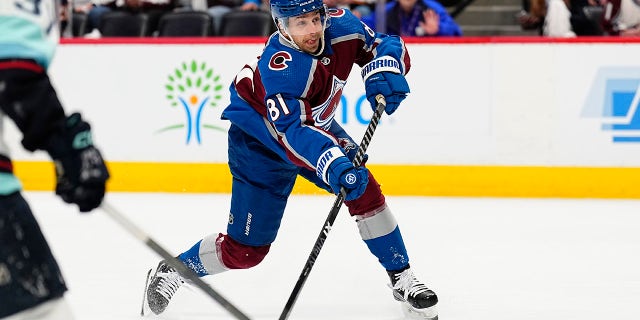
[(419, 302), (162, 286)]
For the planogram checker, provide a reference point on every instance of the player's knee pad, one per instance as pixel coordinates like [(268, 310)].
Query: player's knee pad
[(371, 200), (376, 223), (236, 255), (380, 232)]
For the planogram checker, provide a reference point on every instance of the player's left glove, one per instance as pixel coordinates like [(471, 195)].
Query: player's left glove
[(383, 76), (80, 170)]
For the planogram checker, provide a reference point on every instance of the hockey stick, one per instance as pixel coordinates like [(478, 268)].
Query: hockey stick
[(171, 260), (311, 260)]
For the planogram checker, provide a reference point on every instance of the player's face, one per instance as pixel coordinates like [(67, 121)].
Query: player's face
[(306, 31)]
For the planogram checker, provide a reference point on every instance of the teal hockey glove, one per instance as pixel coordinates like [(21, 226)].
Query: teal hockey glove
[(80, 170)]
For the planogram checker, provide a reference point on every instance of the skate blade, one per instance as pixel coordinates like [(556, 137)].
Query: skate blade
[(419, 314), (144, 293)]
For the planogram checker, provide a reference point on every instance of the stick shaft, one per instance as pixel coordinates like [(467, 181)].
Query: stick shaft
[(171, 260), (333, 213)]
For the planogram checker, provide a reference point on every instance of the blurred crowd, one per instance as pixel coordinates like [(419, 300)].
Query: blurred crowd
[(571, 18), (418, 18)]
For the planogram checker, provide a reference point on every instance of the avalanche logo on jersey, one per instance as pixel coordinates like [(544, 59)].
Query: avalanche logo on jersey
[(324, 113), (613, 99), (279, 60)]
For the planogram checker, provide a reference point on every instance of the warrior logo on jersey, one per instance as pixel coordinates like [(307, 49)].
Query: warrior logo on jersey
[(323, 114), (193, 86), (279, 60)]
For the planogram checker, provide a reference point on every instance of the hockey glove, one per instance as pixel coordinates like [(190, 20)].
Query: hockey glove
[(80, 170), (337, 171), (383, 76)]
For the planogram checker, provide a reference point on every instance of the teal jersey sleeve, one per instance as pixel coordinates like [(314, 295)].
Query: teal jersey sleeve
[(9, 184)]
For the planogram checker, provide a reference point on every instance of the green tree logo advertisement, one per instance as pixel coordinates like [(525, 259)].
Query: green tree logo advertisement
[(193, 87)]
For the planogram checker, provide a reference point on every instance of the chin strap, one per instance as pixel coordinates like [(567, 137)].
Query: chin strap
[(319, 52)]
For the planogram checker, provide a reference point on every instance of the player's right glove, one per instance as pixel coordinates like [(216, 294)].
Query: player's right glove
[(337, 171), (80, 170)]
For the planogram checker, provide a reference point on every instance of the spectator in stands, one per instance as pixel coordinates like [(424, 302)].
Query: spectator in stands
[(360, 8), (531, 17), (63, 16), (586, 17), (416, 18), (94, 9), (216, 9), (254, 5), (557, 21), (622, 18), (562, 18)]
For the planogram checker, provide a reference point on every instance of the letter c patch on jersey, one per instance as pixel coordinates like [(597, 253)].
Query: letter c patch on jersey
[(336, 12), (279, 60)]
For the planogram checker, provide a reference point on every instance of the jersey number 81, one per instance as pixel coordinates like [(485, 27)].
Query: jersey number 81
[(276, 107)]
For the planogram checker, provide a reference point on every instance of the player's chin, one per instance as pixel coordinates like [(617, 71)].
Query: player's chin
[(311, 46)]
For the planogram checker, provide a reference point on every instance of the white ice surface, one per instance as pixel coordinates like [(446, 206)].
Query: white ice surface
[(493, 259)]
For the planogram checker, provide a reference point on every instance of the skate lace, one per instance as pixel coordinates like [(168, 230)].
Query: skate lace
[(407, 283), (169, 283)]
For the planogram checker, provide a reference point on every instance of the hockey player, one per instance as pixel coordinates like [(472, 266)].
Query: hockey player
[(282, 125), (31, 285)]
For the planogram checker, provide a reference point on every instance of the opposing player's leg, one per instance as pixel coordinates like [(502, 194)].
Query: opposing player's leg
[(29, 275), (262, 182)]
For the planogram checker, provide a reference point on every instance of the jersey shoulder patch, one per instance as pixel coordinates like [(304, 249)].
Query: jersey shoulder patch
[(285, 70), (279, 60)]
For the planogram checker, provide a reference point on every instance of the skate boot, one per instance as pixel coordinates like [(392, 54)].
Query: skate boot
[(162, 286), (418, 301)]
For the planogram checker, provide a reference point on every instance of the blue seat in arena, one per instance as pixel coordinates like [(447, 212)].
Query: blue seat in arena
[(239, 23), (185, 24), (79, 24), (124, 24)]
